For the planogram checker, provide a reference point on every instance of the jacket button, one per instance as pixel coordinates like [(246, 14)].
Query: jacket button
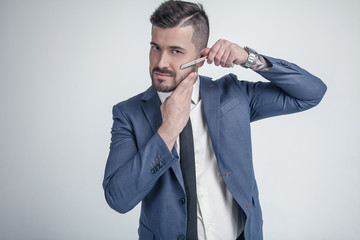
[(162, 163), (182, 201), (181, 237)]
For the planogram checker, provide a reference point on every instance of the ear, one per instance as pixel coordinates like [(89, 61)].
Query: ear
[(203, 53)]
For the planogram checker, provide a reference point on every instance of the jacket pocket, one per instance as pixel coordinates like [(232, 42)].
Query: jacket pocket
[(228, 106)]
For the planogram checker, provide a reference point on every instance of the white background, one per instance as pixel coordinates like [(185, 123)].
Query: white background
[(64, 64)]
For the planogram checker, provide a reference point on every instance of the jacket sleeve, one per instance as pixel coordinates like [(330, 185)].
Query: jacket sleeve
[(131, 173), (291, 89)]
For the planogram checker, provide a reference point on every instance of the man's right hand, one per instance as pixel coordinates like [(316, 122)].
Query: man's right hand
[(175, 111)]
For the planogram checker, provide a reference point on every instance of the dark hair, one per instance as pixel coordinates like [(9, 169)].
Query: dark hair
[(179, 13)]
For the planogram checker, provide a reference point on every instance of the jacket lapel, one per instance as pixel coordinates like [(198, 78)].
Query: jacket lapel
[(150, 103), (211, 105)]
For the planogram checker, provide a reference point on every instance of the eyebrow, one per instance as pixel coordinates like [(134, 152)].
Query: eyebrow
[(153, 43), (171, 47)]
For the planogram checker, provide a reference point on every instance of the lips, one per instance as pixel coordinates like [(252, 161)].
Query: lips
[(162, 74)]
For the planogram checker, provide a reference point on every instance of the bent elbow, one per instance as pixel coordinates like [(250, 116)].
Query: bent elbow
[(303, 105), (322, 88), (310, 103), (116, 202)]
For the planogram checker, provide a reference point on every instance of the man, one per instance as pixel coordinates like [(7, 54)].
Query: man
[(144, 163)]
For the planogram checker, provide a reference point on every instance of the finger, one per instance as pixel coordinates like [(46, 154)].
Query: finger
[(222, 53), (187, 98), (213, 51), (188, 91), (205, 52), (186, 83), (189, 82), (219, 56), (190, 79), (226, 58)]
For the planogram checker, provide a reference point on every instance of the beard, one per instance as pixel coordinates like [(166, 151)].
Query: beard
[(168, 85), (159, 84)]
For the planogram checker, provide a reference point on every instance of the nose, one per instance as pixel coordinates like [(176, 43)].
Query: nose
[(164, 61)]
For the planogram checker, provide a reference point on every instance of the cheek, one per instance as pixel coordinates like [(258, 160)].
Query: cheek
[(182, 74), (151, 58), (154, 57), (177, 61)]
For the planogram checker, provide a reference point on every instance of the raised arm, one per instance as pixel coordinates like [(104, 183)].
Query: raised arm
[(291, 88)]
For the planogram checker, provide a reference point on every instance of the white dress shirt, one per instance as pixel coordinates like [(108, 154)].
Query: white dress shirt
[(217, 211)]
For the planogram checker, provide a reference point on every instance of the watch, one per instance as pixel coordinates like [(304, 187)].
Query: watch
[(251, 59)]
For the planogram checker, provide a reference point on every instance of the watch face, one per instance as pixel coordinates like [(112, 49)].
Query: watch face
[(252, 55), (251, 59)]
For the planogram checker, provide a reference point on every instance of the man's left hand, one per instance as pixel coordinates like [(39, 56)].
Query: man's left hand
[(225, 54)]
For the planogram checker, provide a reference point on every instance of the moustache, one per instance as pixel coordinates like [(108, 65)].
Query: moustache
[(163, 71)]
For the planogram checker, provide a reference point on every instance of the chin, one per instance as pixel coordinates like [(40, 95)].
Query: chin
[(163, 88), (160, 86)]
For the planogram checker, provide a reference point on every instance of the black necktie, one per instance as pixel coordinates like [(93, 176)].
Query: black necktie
[(187, 162)]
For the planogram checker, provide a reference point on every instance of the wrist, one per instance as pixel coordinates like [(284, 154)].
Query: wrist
[(252, 55), (261, 63), (168, 137)]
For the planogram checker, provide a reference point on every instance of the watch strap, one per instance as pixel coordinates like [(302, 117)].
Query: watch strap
[(251, 59)]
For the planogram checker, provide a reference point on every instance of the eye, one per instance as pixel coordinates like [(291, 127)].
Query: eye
[(155, 48), (175, 51)]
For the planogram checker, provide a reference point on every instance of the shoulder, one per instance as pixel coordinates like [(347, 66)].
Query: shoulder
[(229, 83), (134, 102)]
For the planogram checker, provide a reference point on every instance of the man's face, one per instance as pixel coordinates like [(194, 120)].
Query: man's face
[(171, 48)]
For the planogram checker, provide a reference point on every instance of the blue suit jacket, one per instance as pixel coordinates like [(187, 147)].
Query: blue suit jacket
[(140, 167)]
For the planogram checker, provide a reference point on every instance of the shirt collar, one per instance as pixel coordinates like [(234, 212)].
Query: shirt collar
[(195, 97)]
